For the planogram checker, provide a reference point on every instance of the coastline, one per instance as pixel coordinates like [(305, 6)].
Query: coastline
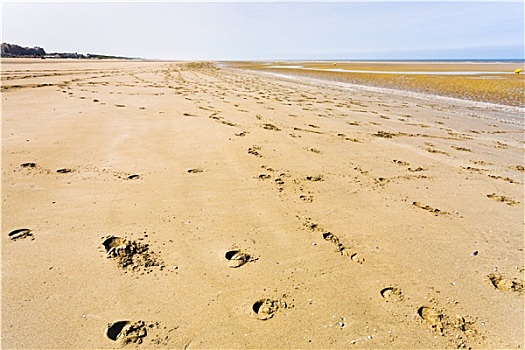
[(511, 114), (483, 82)]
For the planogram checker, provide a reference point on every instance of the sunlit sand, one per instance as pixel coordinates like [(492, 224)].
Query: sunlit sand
[(198, 205)]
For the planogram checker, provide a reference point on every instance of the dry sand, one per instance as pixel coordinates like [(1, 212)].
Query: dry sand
[(194, 207)]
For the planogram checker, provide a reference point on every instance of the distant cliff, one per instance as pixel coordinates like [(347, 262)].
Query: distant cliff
[(12, 50)]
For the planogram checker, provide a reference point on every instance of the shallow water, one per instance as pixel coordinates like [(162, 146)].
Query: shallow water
[(508, 114), (341, 70)]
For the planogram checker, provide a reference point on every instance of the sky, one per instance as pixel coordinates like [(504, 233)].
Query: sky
[(270, 30)]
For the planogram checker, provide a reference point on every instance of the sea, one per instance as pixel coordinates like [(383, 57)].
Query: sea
[(418, 60), (519, 63)]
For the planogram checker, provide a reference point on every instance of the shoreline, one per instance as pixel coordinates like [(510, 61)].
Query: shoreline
[(505, 110), (506, 89)]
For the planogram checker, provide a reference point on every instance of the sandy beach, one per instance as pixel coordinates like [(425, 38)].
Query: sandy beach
[(194, 205)]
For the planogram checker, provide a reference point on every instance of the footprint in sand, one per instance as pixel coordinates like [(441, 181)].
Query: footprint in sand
[(315, 178), (126, 332), (434, 211), (130, 253), (473, 169), (237, 258), (195, 171), (341, 248), (328, 236), (133, 177), (432, 316), (432, 150), (307, 199), (115, 330), (518, 167), (381, 181), (28, 165), (502, 199), (270, 127), (392, 294), (458, 331), (357, 259), (254, 150), (264, 309), (461, 149), (504, 284), (504, 178), (384, 134), (20, 233), (64, 170), (400, 162)]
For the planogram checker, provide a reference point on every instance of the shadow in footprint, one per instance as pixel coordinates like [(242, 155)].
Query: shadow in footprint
[(20, 233), (434, 211), (264, 309), (111, 243), (254, 151), (114, 330), (315, 178), (127, 331), (502, 199), (131, 254), (28, 165), (357, 259), (432, 316), (308, 199), (391, 294), (501, 283), (236, 258), (340, 247), (195, 171), (270, 127), (64, 170)]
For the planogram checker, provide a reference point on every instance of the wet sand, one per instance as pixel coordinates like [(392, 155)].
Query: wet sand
[(482, 82), (177, 205)]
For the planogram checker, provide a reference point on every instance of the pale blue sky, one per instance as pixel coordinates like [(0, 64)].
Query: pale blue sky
[(270, 30)]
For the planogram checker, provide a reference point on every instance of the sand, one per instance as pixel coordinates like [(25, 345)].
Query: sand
[(177, 205)]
